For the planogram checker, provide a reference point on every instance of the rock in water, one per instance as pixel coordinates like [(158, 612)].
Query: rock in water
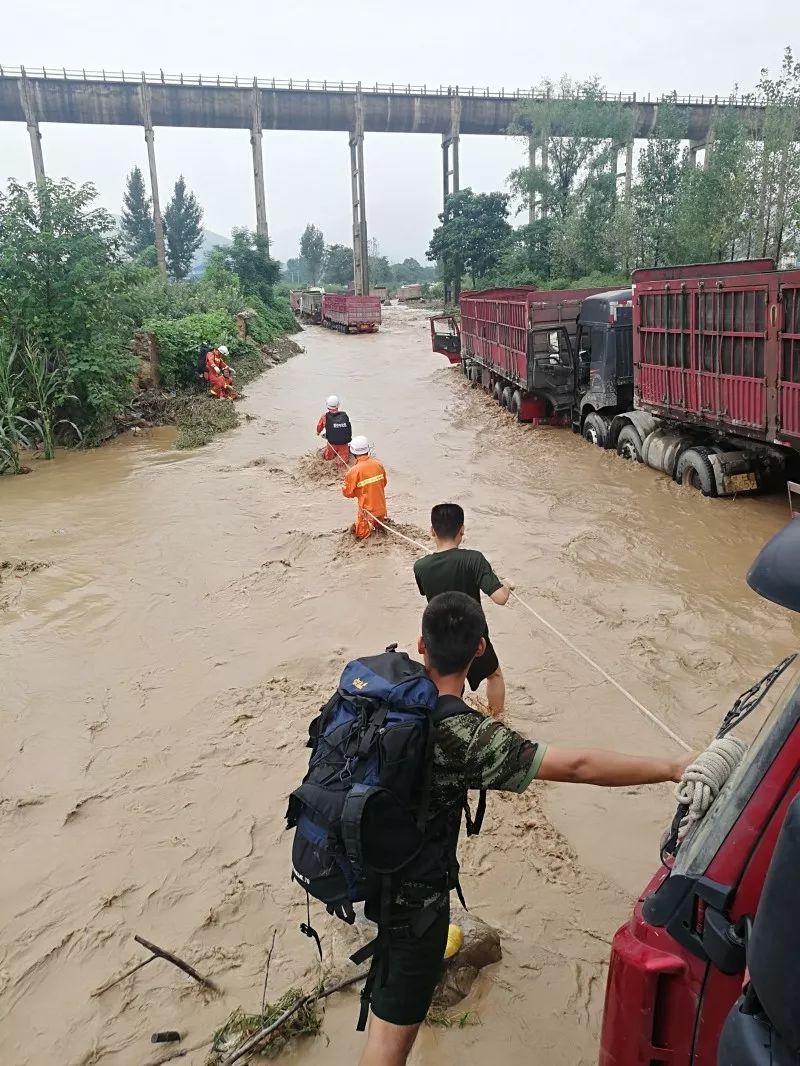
[(481, 948)]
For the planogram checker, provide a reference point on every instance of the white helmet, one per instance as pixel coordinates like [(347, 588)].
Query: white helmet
[(359, 446), (223, 350), (332, 403)]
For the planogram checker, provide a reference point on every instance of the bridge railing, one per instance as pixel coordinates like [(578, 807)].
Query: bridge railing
[(392, 88)]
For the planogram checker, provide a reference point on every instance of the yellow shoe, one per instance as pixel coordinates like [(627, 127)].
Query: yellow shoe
[(455, 938)]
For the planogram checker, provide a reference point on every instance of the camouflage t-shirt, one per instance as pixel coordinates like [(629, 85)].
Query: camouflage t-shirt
[(473, 752)]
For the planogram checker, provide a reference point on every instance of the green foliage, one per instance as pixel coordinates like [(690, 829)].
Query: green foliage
[(16, 431), (138, 230), (180, 338), (45, 391), (338, 265), (473, 234), (312, 252), (63, 289), (183, 228), (295, 273), (248, 258)]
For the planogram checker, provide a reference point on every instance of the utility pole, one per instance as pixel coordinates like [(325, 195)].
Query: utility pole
[(149, 136)]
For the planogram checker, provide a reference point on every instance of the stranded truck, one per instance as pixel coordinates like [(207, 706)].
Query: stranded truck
[(694, 371), (351, 314)]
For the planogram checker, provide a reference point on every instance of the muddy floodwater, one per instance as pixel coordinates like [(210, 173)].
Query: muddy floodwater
[(158, 673)]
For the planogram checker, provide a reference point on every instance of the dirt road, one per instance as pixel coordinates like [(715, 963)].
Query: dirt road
[(159, 673)]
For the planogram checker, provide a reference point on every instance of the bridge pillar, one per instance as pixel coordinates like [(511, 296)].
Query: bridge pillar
[(360, 245), (545, 173), (256, 137), (703, 145), (451, 177), (533, 146), (149, 136), (628, 170), (32, 122)]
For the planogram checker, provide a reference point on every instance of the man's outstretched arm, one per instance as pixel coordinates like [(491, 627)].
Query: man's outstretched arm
[(593, 766)]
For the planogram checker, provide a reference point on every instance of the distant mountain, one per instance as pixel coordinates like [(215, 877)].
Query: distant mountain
[(210, 240)]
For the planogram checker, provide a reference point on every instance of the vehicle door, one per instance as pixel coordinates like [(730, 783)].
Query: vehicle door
[(551, 370)]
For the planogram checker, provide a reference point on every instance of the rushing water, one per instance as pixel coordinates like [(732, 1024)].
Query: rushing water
[(159, 673)]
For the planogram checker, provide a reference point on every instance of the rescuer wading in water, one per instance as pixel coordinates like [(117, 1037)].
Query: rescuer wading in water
[(365, 482), (471, 751), (335, 426), (452, 568)]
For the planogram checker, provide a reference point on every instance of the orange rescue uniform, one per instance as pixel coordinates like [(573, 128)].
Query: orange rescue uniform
[(365, 482), (332, 450), (219, 384)]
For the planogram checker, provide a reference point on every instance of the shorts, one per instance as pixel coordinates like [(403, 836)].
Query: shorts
[(414, 968), (484, 666)]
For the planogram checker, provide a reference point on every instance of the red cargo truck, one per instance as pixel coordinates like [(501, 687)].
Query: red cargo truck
[(351, 314), (695, 371), (294, 300)]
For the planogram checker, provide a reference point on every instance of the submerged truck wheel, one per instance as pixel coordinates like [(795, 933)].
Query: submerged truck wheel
[(595, 430), (629, 444), (695, 471), (506, 397), (516, 405), (498, 392)]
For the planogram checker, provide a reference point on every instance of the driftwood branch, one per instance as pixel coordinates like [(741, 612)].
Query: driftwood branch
[(128, 973), (161, 953), (258, 1038)]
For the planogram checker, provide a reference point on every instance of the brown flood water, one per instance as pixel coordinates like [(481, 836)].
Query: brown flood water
[(158, 677)]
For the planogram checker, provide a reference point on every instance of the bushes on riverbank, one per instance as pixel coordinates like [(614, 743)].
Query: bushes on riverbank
[(68, 296)]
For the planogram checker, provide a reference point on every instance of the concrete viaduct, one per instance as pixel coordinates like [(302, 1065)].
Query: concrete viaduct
[(91, 97)]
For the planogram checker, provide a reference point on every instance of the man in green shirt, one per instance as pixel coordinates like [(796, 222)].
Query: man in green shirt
[(471, 752), (452, 568)]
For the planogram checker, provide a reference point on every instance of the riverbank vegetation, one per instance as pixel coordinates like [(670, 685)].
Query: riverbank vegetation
[(589, 222), (72, 298)]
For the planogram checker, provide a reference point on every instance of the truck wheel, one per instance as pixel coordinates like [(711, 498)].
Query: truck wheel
[(498, 392), (629, 444), (695, 470), (505, 398), (595, 430), (515, 407)]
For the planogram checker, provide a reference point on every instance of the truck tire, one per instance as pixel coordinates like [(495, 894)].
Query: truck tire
[(516, 405), (505, 398), (498, 392), (629, 444), (595, 430), (695, 471)]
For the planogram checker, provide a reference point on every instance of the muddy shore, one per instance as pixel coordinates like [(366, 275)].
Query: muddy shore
[(181, 616)]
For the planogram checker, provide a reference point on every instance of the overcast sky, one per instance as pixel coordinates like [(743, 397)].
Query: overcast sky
[(644, 47)]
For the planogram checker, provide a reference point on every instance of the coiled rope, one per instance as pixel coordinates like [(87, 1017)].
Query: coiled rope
[(703, 779)]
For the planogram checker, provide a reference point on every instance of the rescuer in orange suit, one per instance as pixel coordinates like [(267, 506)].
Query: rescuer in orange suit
[(219, 375), (365, 482), (335, 425)]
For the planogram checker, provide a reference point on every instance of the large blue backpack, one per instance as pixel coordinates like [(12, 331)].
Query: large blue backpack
[(361, 815)]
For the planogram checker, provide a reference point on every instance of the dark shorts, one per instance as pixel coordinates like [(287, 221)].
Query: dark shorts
[(414, 969), (484, 666)]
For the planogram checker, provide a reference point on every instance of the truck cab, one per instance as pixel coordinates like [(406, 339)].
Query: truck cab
[(604, 360)]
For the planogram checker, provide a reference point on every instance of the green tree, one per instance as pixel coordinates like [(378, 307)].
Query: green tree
[(473, 235), (312, 252), (295, 271), (138, 230), (61, 290), (338, 265), (248, 257), (656, 196), (183, 225), (409, 272), (717, 210), (778, 161), (380, 273)]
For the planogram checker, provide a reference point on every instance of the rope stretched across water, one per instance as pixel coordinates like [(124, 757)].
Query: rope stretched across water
[(556, 632)]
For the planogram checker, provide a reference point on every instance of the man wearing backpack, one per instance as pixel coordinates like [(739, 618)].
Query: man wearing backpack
[(354, 820)]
